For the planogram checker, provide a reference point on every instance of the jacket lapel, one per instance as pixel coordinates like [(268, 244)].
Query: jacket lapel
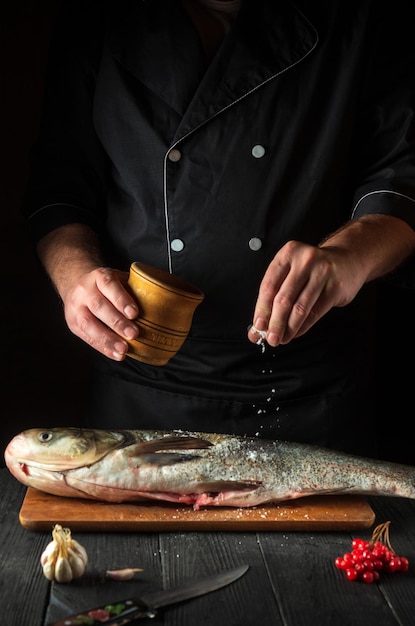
[(157, 43)]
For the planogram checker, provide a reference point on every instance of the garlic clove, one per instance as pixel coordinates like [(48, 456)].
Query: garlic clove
[(79, 550), (50, 553), (77, 563), (122, 574), (63, 570), (49, 570)]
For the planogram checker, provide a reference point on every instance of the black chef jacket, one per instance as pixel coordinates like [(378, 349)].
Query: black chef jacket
[(303, 120)]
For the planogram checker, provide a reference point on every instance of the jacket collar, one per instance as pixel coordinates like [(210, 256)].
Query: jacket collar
[(157, 43)]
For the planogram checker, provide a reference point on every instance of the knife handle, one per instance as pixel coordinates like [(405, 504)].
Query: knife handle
[(115, 614)]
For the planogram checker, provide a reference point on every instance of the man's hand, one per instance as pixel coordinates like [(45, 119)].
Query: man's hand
[(99, 310), (303, 282), (97, 304)]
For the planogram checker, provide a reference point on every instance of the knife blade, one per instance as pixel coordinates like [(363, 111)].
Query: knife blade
[(124, 611)]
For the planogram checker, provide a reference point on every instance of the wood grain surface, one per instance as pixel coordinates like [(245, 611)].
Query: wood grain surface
[(40, 511)]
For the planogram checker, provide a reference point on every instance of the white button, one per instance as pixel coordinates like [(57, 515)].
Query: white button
[(255, 243), (175, 155), (177, 245), (258, 151)]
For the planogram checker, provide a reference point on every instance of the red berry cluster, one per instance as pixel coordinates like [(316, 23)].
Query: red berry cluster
[(368, 558)]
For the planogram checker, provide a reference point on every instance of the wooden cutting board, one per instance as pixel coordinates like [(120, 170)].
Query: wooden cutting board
[(40, 511)]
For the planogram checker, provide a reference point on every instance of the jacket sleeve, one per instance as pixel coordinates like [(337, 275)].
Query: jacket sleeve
[(385, 138), (68, 166)]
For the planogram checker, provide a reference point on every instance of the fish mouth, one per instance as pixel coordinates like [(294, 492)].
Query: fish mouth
[(53, 482), (18, 464), (17, 458), (30, 471)]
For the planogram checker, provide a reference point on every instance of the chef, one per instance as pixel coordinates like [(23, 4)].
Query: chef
[(261, 150)]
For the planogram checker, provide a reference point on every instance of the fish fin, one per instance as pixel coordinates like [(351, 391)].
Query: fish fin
[(329, 492), (220, 486), (174, 442), (165, 458), (315, 492)]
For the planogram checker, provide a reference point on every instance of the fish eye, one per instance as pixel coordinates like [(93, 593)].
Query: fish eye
[(45, 436)]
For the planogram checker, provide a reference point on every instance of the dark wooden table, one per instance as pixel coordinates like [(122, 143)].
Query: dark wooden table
[(291, 579)]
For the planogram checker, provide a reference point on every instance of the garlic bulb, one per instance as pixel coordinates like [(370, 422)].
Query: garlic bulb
[(63, 558)]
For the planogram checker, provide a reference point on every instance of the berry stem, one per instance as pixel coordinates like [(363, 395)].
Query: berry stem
[(381, 533)]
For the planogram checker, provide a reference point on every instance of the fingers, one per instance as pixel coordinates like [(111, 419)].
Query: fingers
[(293, 294), (113, 304), (98, 336), (100, 311)]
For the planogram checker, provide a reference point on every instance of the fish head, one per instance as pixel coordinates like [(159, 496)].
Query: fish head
[(38, 450)]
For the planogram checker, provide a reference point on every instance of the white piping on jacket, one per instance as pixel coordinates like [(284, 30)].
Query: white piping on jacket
[(371, 193), (166, 210)]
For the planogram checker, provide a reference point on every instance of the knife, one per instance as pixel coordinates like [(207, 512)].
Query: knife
[(125, 611)]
